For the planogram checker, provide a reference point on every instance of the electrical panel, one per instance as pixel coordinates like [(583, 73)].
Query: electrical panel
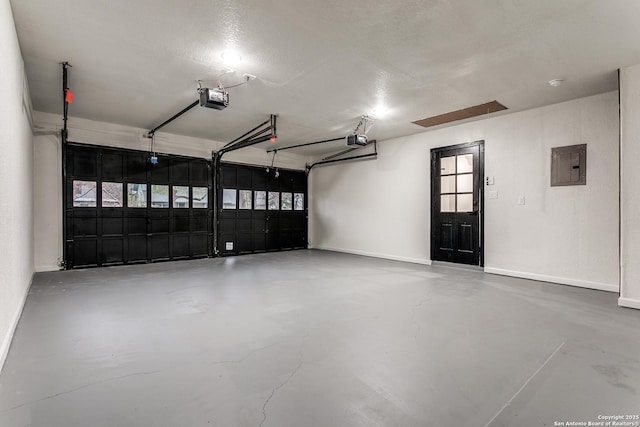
[(569, 165)]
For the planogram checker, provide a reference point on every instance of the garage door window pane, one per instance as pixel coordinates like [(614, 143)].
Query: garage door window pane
[(274, 200), (112, 195), (287, 201), (261, 200), (245, 199), (159, 196), (200, 197), (229, 198), (180, 197), (84, 194), (298, 201), (137, 195)]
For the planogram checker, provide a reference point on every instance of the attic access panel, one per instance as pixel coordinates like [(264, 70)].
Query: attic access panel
[(465, 113), (569, 165)]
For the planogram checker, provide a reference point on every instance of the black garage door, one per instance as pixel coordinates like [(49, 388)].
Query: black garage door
[(121, 209), (260, 211)]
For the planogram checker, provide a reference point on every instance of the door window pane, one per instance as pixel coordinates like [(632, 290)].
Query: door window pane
[(245, 199), (112, 195), (465, 203), (448, 203), (298, 201), (261, 200), (465, 163), (274, 200), (465, 183), (229, 198), (137, 195), (84, 194), (180, 197), (287, 201), (447, 165), (448, 184), (200, 197), (159, 196)]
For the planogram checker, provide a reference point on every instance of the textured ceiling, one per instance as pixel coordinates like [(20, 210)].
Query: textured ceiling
[(320, 64)]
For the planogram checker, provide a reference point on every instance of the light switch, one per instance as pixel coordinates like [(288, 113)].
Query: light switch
[(521, 200), (493, 194), (489, 180)]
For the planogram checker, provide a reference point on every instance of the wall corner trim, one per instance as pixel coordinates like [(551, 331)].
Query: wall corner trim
[(6, 343), (554, 279), (375, 255), (629, 303)]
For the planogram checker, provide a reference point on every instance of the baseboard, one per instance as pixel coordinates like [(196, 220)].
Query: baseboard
[(376, 255), (553, 279), (629, 303), (45, 268), (6, 343)]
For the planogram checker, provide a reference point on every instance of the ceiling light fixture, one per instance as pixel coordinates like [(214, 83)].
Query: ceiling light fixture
[(380, 111), (555, 82), (231, 57)]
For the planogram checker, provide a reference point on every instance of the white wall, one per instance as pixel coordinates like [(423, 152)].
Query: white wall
[(47, 203), (47, 160), (562, 234), (16, 172), (630, 186)]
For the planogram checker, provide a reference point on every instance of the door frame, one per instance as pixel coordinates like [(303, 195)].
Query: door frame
[(434, 191)]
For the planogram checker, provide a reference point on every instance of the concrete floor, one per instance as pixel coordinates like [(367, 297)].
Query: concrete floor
[(312, 338)]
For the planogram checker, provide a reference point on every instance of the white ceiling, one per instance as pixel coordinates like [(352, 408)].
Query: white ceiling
[(320, 64)]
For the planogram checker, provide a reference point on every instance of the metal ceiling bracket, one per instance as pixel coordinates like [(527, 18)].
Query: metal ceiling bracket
[(305, 144), (334, 157), (172, 118), (252, 137), (363, 122)]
